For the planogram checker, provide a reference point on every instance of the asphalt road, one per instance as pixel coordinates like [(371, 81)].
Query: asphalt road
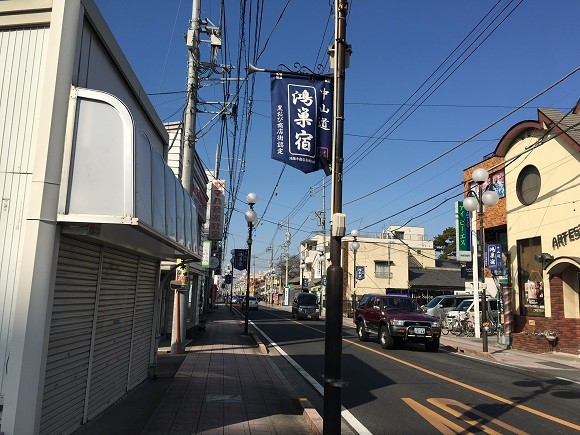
[(410, 390)]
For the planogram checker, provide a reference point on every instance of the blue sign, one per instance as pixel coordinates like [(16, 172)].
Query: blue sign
[(227, 279), (304, 283), (323, 280), (241, 259), (493, 258), (302, 116), (359, 273)]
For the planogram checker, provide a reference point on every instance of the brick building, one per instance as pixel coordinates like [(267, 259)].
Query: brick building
[(537, 222)]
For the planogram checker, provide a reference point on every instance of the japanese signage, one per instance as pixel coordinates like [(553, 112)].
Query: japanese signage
[(302, 116), (304, 283), (462, 232), (359, 273), (206, 253), (493, 258), (216, 210), (240, 259)]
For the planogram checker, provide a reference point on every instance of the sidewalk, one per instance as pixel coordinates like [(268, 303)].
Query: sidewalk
[(224, 384)]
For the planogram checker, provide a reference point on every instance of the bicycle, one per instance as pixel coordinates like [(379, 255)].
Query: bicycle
[(462, 325), (445, 326)]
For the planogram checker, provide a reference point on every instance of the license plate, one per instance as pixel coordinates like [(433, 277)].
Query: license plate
[(420, 331)]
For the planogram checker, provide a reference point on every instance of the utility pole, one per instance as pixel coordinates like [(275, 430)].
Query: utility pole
[(188, 158), (333, 339)]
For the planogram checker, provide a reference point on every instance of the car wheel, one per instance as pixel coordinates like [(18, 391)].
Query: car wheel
[(432, 346), (387, 342), (363, 335)]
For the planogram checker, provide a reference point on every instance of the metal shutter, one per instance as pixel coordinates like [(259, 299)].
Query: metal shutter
[(110, 363), (71, 328), (144, 320)]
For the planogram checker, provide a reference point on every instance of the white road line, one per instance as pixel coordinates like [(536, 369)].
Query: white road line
[(345, 413)]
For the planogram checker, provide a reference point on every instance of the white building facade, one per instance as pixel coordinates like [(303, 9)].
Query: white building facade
[(89, 210)]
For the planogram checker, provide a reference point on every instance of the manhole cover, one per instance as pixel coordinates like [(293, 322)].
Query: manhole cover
[(223, 398)]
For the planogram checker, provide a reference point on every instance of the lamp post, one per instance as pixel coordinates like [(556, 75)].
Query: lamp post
[(231, 267), (354, 247), (302, 267), (251, 219), (475, 200)]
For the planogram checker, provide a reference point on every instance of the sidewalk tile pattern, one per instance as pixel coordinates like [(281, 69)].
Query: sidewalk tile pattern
[(225, 386)]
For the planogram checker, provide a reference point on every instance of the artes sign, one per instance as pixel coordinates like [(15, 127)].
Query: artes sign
[(302, 114)]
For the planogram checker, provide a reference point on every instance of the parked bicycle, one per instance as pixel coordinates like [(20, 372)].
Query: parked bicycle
[(462, 325)]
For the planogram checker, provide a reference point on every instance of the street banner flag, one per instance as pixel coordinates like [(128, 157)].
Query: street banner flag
[(359, 273), (241, 259), (302, 117), (462, 232)]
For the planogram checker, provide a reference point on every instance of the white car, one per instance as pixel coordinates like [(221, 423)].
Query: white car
[(252, 303)]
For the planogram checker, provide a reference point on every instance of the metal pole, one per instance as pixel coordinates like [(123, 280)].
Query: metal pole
[(231, 291), (482, 270), (247, 310), (333, 338)]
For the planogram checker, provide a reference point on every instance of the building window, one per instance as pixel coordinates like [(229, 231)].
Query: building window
[(383, 269), (528, 185), (530, 278), (399, 235)]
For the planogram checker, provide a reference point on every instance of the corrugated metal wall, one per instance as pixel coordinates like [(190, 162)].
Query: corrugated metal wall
[(21, 66), (101, 334)]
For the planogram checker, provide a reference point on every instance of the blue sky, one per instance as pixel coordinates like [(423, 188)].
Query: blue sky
[(396, 45)]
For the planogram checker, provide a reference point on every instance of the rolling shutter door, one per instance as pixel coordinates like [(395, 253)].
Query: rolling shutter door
[(71, 328), (110, 364), (101, 334), (144, 320)]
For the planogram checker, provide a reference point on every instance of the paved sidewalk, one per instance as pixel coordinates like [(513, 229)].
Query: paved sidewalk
[(223, 384)]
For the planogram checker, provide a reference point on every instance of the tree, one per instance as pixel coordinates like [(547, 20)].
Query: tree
[(444, 243), (293, 267)]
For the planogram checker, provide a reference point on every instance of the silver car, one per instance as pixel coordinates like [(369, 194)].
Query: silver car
[(252, 303)]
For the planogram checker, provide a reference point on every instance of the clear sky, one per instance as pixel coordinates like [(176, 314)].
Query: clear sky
[(494, 56)]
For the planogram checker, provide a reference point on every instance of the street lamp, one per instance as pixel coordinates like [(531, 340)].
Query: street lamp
[(251, 219), (231, 267), (354, 247), (475, 200), (302, 267)]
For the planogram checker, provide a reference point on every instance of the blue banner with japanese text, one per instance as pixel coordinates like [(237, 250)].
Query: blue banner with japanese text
[(240, 259), (302, 112)]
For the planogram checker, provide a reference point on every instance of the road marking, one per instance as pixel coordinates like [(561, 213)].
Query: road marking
[(443, 425), (345, 413), (471, 388)]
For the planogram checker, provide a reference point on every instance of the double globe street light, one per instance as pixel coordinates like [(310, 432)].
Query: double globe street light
[(251, 219), (475, 200)]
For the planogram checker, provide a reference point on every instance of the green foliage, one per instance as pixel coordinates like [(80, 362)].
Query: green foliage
[(444, 243)]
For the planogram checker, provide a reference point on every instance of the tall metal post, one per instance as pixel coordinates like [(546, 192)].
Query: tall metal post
[(333, 338), (481, 265), (247, 310)]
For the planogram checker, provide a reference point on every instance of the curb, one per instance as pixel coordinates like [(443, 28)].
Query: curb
[(312, 417)]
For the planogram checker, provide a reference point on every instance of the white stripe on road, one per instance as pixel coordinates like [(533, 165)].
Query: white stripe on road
[(345, 413)]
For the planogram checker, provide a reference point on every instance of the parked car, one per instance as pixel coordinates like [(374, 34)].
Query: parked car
[(305, 305), (395, 320), (252, 303), (439, 306), (466, 306), (236, 300)]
